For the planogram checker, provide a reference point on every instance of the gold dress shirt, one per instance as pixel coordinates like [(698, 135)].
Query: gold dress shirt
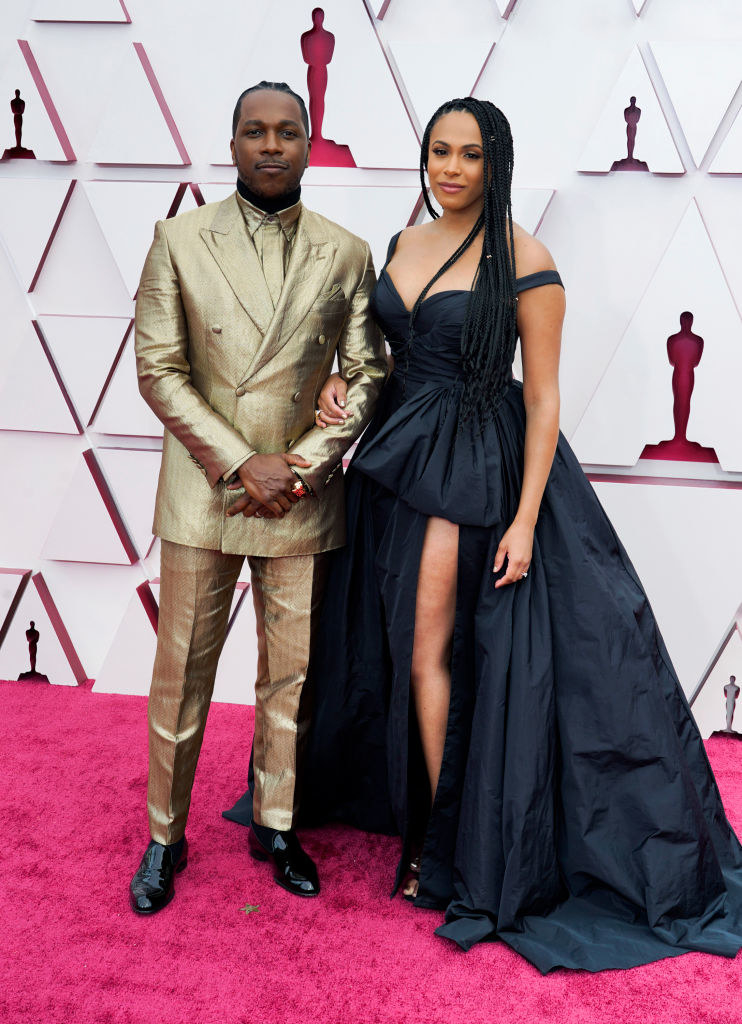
[(272, 235)]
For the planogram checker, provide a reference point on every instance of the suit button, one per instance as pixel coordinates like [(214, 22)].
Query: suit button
[(297, 396), (322, 339), (240, 390), (216, 329)]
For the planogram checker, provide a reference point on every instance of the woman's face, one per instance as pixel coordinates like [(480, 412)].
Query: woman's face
[(455, 161)]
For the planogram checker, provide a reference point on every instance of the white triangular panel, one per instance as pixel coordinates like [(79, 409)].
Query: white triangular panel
[(132, 476), (82, 529), (530, 206), (126, 212), (655, 524), (30, 398), (81, 10), (379, 7), (639, 6), (358, 79), (11, 581), (123, 411), (127, 667), (133, 129), (84, 348), (505, 7), (632, 405), (188, 202), (654, 143), (373, 213), (701, 77), (235, 677), (43, 132), (729, 158), (29, 213), (80, 275), (709, 706), (458, 60), (51, 659)]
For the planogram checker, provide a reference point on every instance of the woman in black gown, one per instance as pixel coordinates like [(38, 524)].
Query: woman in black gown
[(574, 813)]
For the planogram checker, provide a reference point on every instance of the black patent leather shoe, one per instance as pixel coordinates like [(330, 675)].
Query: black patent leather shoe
[(152, 887), (295, 870)]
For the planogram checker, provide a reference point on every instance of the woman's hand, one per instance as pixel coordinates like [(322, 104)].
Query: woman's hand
[(517, 546), (331, 402)]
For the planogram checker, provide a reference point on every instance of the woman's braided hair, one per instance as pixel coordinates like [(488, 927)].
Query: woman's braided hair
[(490, 331)]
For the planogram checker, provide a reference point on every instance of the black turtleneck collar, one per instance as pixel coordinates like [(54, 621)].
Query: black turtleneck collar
[(265, 204)]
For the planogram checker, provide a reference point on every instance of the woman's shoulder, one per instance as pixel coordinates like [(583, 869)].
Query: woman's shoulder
[(531, 255)]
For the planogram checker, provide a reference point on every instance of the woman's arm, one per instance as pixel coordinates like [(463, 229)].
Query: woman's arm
[(540, 318)]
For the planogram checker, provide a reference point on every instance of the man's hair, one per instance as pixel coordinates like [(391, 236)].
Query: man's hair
[(271, 87)]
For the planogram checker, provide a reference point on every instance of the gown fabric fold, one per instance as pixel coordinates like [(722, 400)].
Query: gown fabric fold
[(577, 817)]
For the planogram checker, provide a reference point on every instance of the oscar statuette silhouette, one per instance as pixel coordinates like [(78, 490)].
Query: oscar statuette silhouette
[(32, 636), (684, 351), (731, 693), (631, 116), (18, 152), (317, 48)]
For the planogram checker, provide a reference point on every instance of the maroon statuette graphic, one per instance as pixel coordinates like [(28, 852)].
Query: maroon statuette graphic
[(32, 636), (684, 350), (631, 116), (317, 48), (18, 152)]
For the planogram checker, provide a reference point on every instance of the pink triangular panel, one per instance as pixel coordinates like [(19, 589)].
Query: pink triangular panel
[(84, 349), (122, 410), (126, 212), (96, 11), (31, 397), (137, 126), (88, 526), (132, 475), (30, 213), (56, 656)]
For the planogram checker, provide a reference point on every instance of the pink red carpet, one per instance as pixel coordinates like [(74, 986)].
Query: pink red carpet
[(233, 947)]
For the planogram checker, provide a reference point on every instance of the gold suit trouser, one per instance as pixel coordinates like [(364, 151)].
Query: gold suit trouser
[(196, 590)]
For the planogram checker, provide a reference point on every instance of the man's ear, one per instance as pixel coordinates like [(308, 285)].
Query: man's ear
[(231, 150), (309, 150)]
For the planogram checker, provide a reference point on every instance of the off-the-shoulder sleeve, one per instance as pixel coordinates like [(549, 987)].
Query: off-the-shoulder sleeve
[(536, 280)]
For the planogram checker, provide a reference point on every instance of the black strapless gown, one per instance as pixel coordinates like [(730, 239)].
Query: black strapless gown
[(577, 817)]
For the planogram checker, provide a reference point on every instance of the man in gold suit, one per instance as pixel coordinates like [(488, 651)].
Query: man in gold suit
[(242, 307)]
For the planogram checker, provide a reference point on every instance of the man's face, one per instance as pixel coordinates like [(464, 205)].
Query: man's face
[(270, 147)]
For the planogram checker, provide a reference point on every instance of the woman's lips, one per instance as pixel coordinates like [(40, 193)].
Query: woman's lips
[(448, 186)]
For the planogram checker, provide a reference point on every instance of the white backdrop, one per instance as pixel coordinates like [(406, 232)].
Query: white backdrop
[(128, 110)]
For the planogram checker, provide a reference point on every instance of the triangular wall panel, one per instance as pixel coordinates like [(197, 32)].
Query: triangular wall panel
[(84, 349), (127, 667), (56, 656), (702, 78), (127, 212), (137, 126), (709, 705), (654, 143), (729, 158), (87, 526), (122, 410), (98, 11), (132, 476), (30, 213), (358, 79), (633, 404), (30, 395), (43, 132), (13, 583), (459, 63)]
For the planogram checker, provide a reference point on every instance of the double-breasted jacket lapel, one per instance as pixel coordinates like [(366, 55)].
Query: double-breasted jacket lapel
[(231, 247), (309, 267)]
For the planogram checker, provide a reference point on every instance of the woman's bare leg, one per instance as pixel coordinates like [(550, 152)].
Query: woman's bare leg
[(431, 652)]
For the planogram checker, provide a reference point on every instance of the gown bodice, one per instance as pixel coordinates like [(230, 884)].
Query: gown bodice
[(419, 446)]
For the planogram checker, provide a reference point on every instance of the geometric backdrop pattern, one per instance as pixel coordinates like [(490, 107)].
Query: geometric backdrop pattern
[(628, 140)]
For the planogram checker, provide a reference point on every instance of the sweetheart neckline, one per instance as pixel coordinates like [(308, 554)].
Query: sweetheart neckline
[(445, 291)]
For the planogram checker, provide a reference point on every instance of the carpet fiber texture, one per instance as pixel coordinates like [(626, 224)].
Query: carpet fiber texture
[(233, 947)]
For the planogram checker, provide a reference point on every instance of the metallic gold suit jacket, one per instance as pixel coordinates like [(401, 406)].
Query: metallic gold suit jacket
[(230, 377)]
